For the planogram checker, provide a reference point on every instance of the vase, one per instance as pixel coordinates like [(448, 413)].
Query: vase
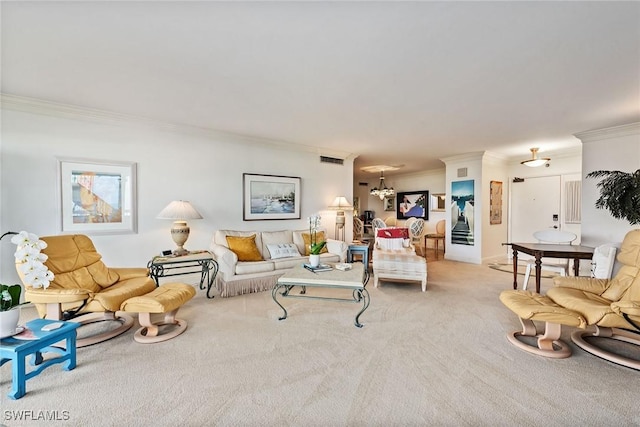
[(9, 322), (314, 260)]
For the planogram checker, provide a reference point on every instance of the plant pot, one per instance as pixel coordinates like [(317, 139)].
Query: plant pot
[(314, 260), (9, 322)]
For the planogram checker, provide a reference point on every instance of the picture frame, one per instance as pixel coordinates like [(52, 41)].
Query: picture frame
[(438, 201), (389, 203), (97, 196), (495, 202), (463, 214), (412, 204), (270, 197)]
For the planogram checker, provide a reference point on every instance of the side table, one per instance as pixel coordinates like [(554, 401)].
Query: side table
[(35, 342), (195, 262), (359, 249)]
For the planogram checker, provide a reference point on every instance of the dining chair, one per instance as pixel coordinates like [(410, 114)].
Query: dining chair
[(416, 228), (604, 257), (377, 223), (358, 229), (391, 221), (437, 236), (553, 236)]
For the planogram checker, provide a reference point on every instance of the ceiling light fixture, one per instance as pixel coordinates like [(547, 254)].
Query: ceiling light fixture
[(382, 191), (535, 161)]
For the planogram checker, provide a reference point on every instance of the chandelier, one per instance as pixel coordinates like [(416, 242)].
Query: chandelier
[(382, 191)]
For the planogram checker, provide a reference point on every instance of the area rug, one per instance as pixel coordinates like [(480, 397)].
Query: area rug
[(508, 268)]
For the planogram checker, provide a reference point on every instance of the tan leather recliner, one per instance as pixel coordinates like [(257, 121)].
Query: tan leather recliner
[(85, 290), (610, 306)]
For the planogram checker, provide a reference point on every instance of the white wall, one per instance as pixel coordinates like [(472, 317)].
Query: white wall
[(616, 148), (567, 165), (494, 169), (203, 167), (474, 166)]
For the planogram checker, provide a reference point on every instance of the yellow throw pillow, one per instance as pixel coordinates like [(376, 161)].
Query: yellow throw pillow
[(307, 242), (244, 247)]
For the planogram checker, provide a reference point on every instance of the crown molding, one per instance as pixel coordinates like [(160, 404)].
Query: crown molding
[(492, 158), (610, 132), (67, 111), (467, 157), (418, 174)]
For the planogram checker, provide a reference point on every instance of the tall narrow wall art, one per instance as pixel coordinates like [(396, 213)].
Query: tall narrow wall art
[(462, 212)]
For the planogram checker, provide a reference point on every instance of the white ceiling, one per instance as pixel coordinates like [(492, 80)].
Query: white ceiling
[(397, 83)]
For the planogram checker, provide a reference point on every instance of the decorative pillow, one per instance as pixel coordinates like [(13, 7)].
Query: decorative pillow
[(283, 250), (394, 232), (319, 238), (244, 247)]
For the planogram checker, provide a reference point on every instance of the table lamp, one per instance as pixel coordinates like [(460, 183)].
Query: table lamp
[(340, 204), (179, 211)]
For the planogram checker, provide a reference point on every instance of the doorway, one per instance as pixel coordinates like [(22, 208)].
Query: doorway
[(535, 205)]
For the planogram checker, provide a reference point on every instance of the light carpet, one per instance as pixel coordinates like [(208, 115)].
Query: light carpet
[(507, 267), (439, 358)]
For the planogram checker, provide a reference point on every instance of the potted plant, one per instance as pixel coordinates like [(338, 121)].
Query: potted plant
[(33, 272), (619, 193), (9, 303), (9, 310), (315, 247)]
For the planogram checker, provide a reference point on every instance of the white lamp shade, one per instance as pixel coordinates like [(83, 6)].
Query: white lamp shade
[(340, 204), (179, 209)]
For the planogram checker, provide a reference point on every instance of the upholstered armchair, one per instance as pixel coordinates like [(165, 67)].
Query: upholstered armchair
[(84, 289), (395, 259), (608, 308)]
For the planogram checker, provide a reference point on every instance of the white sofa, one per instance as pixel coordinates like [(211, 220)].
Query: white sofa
[(242, 277)]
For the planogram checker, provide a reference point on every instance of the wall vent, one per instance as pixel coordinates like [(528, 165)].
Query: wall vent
[(363, 184), (462, 172), (335, 161)]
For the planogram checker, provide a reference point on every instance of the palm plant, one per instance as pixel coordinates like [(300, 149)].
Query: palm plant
[(619, 193)]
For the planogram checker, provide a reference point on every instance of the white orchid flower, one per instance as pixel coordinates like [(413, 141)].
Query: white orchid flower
[(36, 273)]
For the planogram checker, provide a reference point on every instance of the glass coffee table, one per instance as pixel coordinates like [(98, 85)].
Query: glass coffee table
[(354, 280), (198, 262)]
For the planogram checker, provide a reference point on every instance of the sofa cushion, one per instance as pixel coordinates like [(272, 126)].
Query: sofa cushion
[(274, 238), (282, 250), (285, 263), (254, 267), (244, 247)]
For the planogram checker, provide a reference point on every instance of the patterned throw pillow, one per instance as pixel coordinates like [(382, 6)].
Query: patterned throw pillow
[(244, 247), (394, 232), (319, 238), (283, 250)]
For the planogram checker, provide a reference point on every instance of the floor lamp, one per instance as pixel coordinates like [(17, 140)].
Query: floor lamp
[(179, 211), (340, 204)]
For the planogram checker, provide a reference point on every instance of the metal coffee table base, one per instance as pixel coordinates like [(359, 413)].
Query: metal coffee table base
[(334, 279)]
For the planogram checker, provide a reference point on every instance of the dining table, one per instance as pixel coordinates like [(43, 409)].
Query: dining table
[(549, 250)]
